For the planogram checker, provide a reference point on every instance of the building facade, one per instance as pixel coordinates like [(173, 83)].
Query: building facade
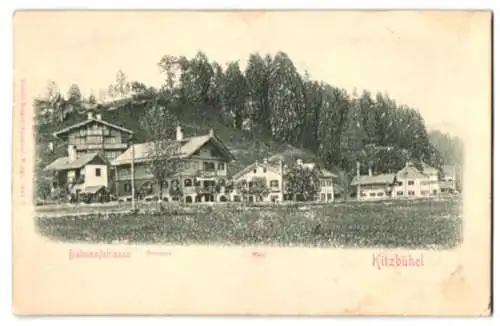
[(200, 174), (73, 176), (260, 181), (96, 135), (408, 182)]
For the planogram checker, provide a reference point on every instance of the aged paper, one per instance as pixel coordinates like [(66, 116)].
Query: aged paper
[(112, 226)]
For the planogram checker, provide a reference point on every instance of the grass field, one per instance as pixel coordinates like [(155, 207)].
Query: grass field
[(423, 224)]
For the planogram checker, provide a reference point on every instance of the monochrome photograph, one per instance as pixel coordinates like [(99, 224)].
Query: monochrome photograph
[(340, 132)]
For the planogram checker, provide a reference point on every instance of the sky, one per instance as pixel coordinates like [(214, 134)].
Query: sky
[(436, 62)]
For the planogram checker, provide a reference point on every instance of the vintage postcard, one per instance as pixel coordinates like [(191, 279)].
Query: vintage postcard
[(252, 163)]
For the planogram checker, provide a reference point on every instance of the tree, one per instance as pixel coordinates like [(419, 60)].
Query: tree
[(258, 187), (286, 100), (333, 117), (216, 90), (301, 182), (202, 76), (235, 93), (122, 87), (258, 76), (74, 96), (163, 162)]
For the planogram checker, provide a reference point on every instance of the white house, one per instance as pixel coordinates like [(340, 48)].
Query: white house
[(326, 181), (271, 174), (409, 182), (412, 183), (85, 174)]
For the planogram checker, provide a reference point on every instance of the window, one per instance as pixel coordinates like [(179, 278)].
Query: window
[(411, 182), (434, 192), (197, 182), (274, 183), (380, 194), (188, 183), (264, 170), (110, 140), (424, 193), (329, 196), (94, 139), (97, 172), (165, 184), (255, 171), (127, 187), (411, 193), (399, 183), (372, 194), (323, 197), (363, 194), (83, 132), (388, 193), (399, 193), (213, 153), (208, 166), (220, 166)]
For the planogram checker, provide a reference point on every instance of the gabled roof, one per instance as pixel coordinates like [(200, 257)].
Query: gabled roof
[(270, 166), (427, 169), (63, 163), (181, 149), (380, 179), (86, 122), (410, 171)]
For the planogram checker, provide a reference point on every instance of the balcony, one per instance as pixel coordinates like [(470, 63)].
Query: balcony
[(211, 173)]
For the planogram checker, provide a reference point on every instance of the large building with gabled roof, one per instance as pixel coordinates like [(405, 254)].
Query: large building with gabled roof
[(201, 176)]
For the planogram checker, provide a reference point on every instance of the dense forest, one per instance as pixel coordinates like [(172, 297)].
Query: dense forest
[(270, 98)]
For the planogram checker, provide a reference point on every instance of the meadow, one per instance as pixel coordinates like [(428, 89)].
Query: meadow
[(422, 224)]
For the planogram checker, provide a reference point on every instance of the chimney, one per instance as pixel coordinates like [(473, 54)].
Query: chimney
[(370, 171), (357, 169), (179, 134), (71, 153), (98, 116), (211, 132), (90, 115)]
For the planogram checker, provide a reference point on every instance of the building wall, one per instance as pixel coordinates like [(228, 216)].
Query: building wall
[(415, 187), (273, 182), (374, 192), (326, 190), (92, 178), (97, 137)]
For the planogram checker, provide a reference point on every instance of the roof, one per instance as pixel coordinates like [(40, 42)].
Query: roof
[(449, 170), (86, 190), (327, 174), (427, 169), (383, 179), (63, 163), (180, 149), (270, 165), (410, 171), (83, 123)]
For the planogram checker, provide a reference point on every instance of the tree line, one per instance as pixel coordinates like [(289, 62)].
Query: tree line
[(271, 97)]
